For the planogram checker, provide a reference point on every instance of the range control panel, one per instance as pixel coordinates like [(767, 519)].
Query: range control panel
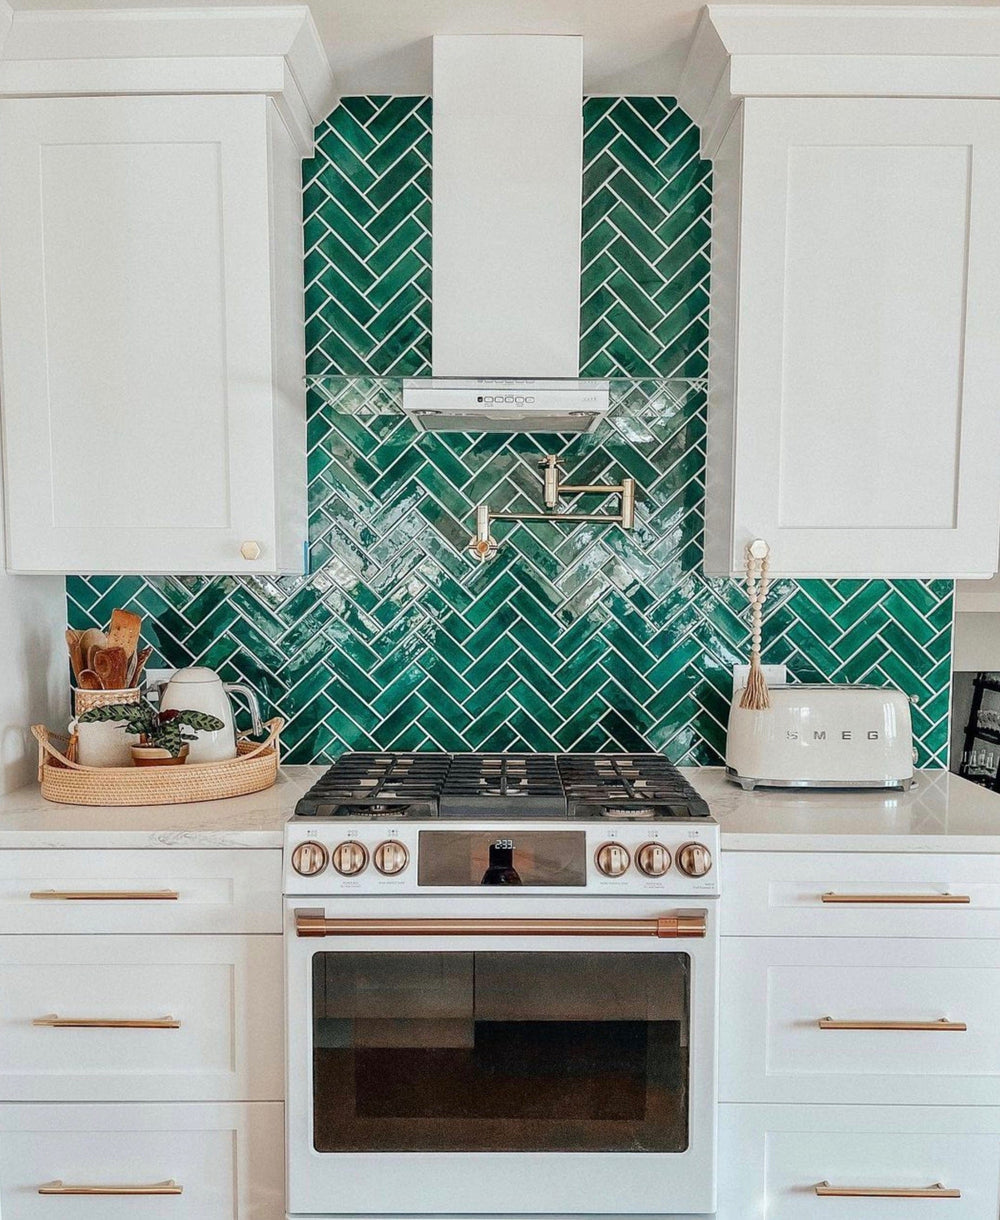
[(337, 857)]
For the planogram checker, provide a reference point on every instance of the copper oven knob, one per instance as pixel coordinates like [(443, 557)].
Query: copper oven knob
[(390, 857), (612, 859), (653, 859), (694, 859), (349, 858), (308, 859)]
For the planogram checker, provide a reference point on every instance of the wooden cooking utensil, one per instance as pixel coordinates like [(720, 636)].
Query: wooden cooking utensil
[(88, 680), (124, 631), (92, 638), (140, 659), (111, 665), (73, 639)]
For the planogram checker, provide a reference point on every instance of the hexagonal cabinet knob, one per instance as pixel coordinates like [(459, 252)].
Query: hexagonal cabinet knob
[(250, 550)]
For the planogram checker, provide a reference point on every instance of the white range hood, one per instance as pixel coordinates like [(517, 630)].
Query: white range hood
[(507, 186)]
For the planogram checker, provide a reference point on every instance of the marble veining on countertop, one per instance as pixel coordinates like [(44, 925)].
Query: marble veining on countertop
[(942, 813)]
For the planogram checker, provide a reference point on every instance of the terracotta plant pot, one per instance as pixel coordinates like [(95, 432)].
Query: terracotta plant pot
[(156, 756)]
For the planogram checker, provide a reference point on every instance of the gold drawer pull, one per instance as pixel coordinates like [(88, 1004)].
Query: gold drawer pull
[(943, 1025), (55, 1022), (107, 895), (901, 899), (940, 1026), (157, 1188), (937, 1191)]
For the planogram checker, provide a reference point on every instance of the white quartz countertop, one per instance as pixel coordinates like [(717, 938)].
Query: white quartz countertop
[(27, 820), (942, 813)]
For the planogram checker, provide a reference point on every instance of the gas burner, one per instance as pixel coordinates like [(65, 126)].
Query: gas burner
[(420, 786)]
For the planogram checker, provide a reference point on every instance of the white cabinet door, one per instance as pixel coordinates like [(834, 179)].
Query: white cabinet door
[(149, 387), (775, 1157), (902, 1022), (857, 428), (224, 1162), (141, 1018), (179, 890)]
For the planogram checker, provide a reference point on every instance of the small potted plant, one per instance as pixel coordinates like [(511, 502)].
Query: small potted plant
[(163, 741)]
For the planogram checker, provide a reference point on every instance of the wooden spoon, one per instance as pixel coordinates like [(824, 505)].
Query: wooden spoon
[(92, 638), (88, 680), (124, 631), (111, 665)]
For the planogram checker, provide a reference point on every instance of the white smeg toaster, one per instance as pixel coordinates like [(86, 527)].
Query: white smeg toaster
[(822, 736)]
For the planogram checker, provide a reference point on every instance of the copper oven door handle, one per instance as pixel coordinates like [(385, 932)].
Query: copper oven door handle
[(106, 895), (900, 899), (681, 924), (937, 1191), (941, 1026), (52, 1021), (157, 1188)]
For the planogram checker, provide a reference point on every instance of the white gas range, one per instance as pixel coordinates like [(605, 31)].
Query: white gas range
[(501, 988)]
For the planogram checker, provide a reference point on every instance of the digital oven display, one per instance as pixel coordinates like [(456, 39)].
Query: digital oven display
[(478, 858)]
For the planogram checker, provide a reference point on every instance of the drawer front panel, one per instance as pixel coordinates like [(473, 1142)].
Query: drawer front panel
[(86, 1018), (131, 892), (226, 1159), (790, 1007), (860, 894), (780, 1155)]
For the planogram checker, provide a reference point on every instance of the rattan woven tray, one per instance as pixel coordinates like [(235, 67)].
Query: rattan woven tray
[(68, 783)]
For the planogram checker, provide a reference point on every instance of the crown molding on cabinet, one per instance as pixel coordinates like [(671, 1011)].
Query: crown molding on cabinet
[(778, 50), (274, 50)]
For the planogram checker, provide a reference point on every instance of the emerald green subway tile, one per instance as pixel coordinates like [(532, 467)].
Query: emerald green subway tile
[(573, 637)]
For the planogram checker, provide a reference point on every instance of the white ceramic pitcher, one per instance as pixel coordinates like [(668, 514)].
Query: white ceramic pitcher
[(202, 690)]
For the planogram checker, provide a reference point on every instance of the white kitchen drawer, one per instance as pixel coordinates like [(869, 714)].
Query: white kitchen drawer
[(225, 993), (773, 1157), (227, 1160), (186, 891), (775, 992), (782, 894)]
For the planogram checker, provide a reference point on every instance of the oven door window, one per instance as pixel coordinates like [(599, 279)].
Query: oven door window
[(501, 1052)]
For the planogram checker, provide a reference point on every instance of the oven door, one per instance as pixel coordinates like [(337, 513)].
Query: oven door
[(504, 1064)]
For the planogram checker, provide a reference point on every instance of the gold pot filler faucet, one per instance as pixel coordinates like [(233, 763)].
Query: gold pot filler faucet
[(484, 546)]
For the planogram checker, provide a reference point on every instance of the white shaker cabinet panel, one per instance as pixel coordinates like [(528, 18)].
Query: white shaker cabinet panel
[(141, 1018), (934, 1161), (855, 346), (211, 1162), (152, 348)]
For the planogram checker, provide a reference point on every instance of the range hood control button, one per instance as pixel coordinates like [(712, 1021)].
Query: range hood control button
[(350, 858)]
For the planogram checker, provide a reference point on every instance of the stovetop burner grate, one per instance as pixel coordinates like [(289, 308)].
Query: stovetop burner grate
[(476, 786)]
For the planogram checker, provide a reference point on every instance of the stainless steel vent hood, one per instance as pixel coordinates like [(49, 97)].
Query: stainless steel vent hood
[(506, 215)]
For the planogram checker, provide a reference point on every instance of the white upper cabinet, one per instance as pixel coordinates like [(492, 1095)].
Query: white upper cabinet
[(151, 322), (854, 419)]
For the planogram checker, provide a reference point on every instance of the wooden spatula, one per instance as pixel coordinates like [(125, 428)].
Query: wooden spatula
[(124, 631), (73, 639), (111, 665)]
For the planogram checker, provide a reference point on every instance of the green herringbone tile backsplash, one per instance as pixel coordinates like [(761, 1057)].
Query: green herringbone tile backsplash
[(573, 638)]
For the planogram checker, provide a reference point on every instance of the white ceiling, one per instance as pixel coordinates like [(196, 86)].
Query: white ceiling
[(383, 46)]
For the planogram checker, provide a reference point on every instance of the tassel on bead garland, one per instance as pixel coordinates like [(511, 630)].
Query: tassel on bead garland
[(755, 695)]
